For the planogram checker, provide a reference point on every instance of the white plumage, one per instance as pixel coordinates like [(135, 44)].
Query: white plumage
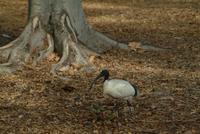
[(117, 88)]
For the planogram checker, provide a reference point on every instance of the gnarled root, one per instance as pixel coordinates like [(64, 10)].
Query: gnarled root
[(7, 68), (35, 45), (143, 46), (25, 48), (73, 42), (73, 52), (60, 27), (98, 42)]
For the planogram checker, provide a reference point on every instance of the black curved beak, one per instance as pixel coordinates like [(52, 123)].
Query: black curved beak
[(94, 81)]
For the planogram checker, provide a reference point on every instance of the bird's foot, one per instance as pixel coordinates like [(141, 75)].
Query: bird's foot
[(129, 110)]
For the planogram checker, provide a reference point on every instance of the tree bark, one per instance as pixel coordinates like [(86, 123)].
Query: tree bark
[(56, 26)]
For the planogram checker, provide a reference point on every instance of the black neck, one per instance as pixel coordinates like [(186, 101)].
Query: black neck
[(104, 74)]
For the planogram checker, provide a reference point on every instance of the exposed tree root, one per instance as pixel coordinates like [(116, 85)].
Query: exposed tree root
[(21, 50), (7, 68), (23, 38), (58, 30), (140, 46), (46, 53), (73, 53), (35, 45), (98, 42)]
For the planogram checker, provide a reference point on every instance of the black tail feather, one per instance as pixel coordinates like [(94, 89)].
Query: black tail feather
[(136, 90)]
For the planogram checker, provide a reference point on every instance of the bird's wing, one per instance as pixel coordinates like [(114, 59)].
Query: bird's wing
[(121, 88), (125, 89)]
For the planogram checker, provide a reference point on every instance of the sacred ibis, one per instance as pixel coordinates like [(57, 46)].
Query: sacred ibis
[(117, 88)]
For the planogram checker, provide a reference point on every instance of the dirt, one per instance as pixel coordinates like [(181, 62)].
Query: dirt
[(33, 101)]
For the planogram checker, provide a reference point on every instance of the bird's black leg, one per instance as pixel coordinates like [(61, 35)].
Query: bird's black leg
[(116, 108), (129, 106)]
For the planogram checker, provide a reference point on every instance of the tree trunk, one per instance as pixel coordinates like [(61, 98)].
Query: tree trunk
[(55, 26)]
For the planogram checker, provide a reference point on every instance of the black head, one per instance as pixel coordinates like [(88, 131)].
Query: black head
[(104, 73)]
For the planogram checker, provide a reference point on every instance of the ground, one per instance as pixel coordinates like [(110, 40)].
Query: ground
[(33, 101)]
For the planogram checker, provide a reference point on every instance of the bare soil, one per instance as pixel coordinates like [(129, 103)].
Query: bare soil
[(33, 101)]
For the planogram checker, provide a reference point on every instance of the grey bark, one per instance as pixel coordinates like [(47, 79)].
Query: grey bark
[(62, 23)]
